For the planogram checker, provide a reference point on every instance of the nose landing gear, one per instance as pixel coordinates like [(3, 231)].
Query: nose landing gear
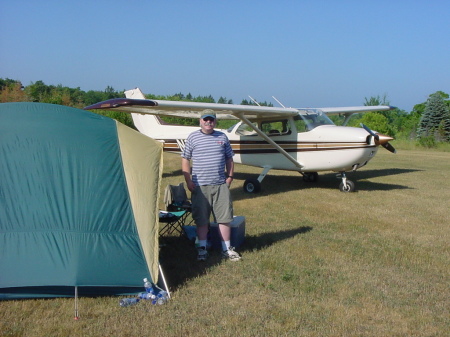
[(346, 185)]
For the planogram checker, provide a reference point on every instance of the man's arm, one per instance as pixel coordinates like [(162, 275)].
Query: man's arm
[(229, 166), (186, 169)]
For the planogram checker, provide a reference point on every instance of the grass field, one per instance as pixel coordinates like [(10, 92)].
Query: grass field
[(316, 262)]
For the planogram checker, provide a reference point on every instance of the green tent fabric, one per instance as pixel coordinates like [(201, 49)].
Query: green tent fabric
[(79, 196)]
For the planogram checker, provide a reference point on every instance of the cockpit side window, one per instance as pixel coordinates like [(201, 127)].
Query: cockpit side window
[(270, 128), (276, 128)]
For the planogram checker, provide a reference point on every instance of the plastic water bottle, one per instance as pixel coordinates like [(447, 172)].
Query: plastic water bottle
[(162, 297), (126, 302), (145, 296), (148, 286)]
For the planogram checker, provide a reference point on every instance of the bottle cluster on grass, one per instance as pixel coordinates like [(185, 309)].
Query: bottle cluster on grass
[(153, 294)]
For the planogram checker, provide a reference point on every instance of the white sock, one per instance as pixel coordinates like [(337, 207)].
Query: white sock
[(225, 245), (202, 243)]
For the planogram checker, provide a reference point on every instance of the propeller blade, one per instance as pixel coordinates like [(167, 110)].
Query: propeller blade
[(389, 147), (373, 134)]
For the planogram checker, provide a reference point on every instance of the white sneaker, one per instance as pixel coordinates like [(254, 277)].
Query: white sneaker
[(231, 255), (202, 254)]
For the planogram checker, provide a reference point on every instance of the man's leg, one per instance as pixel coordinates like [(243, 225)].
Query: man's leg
[(227, 251), (225, 232), (202, 232), (201, 210), (224, 214)]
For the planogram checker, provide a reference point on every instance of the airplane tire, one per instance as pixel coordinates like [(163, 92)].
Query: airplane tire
[(349, 188), (252, 186), (310, 177)]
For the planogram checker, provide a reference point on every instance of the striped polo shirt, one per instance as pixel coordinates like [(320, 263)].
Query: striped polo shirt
[(208, 153)]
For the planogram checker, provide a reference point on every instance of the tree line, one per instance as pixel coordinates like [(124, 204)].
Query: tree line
[(428, 123)]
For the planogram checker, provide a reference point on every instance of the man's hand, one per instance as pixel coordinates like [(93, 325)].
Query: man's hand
[(191, 186)]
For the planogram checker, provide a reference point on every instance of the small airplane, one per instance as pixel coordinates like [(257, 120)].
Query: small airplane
[(303, 140)]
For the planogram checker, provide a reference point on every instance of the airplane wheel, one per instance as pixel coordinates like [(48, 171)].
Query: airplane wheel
[(310, 177), (349, 188), (252, 186)]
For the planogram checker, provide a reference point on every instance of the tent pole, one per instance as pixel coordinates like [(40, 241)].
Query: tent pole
[(164, 280), (76, 304)]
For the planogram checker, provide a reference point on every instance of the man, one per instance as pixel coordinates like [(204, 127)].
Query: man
[(211, 154)]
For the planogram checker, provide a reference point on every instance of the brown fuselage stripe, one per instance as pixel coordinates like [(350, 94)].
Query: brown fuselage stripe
[(249, 147)]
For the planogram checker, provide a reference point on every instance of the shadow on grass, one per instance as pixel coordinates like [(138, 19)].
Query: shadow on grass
[(178, 256), (176, 173), (258, 242), (278, 184)]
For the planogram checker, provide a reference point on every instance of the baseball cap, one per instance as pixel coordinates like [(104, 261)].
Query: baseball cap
[(208, 115)]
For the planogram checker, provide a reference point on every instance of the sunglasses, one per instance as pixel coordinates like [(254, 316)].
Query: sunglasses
[(209, 119)]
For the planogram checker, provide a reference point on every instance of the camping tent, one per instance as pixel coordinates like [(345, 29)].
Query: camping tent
[(78, 203)]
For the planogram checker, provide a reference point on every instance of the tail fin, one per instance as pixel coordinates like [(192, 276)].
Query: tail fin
[(152, 126), (134, 93), (146, 124)]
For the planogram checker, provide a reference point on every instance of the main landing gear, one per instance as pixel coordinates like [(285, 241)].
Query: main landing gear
[(253, 185), (310, 177)]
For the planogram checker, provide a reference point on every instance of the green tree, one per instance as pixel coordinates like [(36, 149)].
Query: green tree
[(111, 93), (122, 117), (405, 124), (377, 100), (224, 100), (445, 125), (372, 101), (245, 102), (92, 97), (38, 91), (7, 82), (435, 119), (376, 121), (12, 91)]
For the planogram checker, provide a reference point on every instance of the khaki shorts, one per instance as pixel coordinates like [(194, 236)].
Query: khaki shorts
[(215, 199)]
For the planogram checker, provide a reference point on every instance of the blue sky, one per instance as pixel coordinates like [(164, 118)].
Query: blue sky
[(305, 53)]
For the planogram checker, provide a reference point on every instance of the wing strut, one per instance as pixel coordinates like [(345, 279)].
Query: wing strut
[(269, 140)]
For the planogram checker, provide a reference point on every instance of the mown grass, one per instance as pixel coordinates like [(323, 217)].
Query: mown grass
[(316, 262)]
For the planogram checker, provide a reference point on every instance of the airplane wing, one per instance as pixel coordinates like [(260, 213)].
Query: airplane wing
[(356, 109), (191, 109), (136, 103)]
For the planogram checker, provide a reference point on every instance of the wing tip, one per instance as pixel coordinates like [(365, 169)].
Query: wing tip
[(118, 102)]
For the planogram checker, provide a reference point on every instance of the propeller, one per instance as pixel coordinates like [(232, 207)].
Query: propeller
[(380, 139)]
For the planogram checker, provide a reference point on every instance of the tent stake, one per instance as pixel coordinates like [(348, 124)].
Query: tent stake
[(76, 304)]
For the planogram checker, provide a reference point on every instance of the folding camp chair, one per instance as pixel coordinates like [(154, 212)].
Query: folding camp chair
[(173, 222), (178, 207)]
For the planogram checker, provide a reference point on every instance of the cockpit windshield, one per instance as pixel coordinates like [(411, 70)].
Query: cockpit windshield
[(308, 119)]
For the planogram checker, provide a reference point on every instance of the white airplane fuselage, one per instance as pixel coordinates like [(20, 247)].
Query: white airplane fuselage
[(324, 148)]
